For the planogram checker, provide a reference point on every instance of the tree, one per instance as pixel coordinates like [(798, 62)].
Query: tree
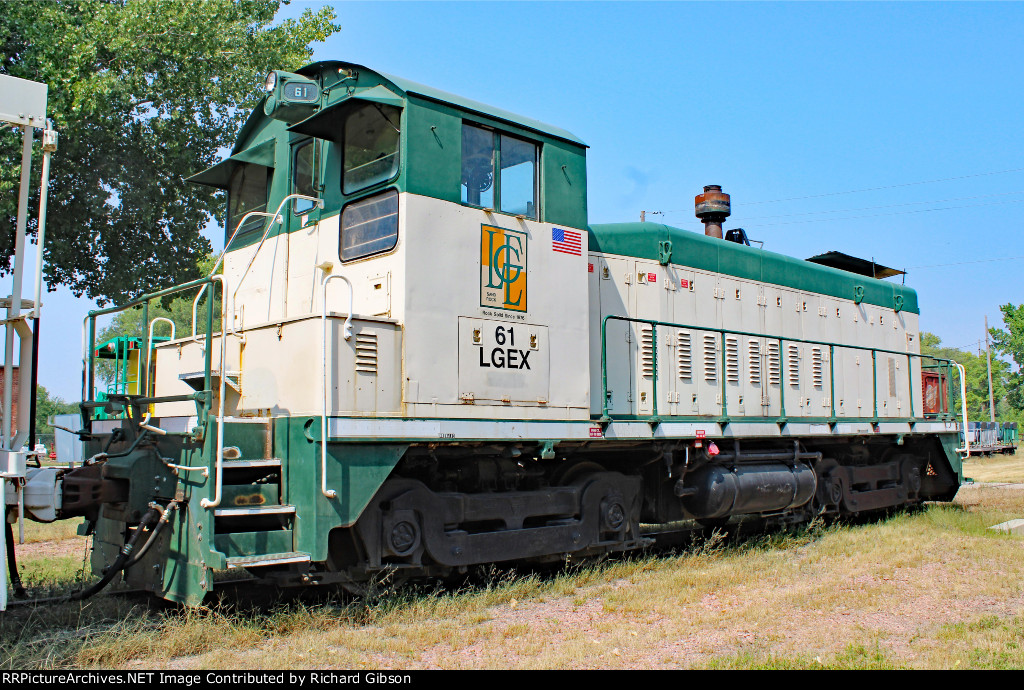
[(143, 93), (47, 407), (1011, 342)]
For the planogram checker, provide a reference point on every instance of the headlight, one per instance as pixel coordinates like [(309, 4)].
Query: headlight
[(271, 82)]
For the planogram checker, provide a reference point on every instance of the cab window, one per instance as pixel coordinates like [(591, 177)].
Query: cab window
[(371, 146), (369, 226), (247, 192), (304, 170), (499, 171)]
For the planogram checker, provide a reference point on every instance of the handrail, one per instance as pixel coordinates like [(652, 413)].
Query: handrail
[(161, 318), (654, 418), (219, 468), (963, 403), (220, 257), (89, 329), (278, 219), (347, 334)]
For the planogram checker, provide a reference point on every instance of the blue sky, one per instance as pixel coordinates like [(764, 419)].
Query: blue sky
[(799, 102)]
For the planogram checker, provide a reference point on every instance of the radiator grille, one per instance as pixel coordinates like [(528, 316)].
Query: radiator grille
[(817, 374)]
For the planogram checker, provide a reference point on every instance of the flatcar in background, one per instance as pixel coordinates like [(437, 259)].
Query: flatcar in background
[(988, 438), (430, 359)]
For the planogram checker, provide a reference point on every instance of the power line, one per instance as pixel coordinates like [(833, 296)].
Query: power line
[(895, 213), (964, 263), (872, 189), (872, 208), (892, 186)]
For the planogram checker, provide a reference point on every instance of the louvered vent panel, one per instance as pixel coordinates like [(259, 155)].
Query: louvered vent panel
[(732, 359), (366, 353), (774, 365), (684, 356), (710, 358), (647, 350), (793, 364), (816, 367), (754, 361)]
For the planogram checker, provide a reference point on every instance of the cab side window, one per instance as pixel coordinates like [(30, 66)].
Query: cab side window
[(247, 191), (499, 171), (371, 146), (304, 173)]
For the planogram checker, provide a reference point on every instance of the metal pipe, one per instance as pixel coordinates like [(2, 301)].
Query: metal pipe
[(153, 323), (14, 308), (347, 335), (49, 146)]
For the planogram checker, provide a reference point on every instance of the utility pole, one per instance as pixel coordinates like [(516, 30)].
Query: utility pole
[(988, 358)]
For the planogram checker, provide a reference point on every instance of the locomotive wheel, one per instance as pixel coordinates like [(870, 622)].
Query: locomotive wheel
[(829, 493), (569, 473)]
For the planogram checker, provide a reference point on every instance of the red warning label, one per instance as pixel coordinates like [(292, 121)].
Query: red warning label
[(595, 432)]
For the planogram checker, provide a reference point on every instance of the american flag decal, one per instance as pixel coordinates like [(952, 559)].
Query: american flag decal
[(566, 241)]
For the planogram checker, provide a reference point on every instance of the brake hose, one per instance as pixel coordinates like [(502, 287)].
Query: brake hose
[(119, 563), (12, 563), (165, 517)]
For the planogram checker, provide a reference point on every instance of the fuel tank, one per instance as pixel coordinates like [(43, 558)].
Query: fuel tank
[(715, 491)]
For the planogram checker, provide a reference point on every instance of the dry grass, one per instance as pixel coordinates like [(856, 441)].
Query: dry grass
[(931, 589), (996, 468)]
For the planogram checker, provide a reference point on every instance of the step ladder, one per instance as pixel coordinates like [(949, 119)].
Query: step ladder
[(252, 524)]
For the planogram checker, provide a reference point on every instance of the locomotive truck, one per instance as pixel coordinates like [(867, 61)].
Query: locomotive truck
[(418, 356)]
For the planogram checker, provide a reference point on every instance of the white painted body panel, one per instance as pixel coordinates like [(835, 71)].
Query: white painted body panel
[(756, 369), (429, 343)]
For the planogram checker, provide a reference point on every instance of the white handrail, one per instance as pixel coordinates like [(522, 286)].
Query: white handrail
[(252, 259), (347, 334), (153, 323), (195, 302), (219, 474), (966, 450)]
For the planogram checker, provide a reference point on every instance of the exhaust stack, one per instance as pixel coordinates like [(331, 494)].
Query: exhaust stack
[(712, 207)]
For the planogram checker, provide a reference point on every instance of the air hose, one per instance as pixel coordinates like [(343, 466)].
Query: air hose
[(12, 563), (119, 563), (165, 517)]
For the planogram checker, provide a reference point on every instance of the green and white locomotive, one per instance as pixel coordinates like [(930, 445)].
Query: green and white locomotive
[(426, 359)]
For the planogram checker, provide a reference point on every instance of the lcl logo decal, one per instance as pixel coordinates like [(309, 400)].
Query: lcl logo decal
[(502, 268)]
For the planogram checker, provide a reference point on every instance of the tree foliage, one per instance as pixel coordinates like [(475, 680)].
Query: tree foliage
[(1010, 342), (143, 93), (47, 407)]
